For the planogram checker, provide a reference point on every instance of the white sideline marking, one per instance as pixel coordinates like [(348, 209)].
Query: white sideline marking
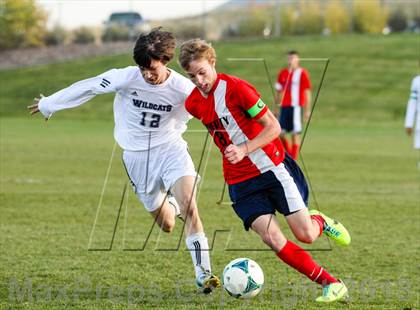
[(102, 194)]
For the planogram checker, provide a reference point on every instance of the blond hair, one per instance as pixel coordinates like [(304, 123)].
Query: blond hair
[(195, 49)]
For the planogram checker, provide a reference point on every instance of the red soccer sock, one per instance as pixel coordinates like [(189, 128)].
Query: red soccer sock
[(287, 147), (320, 221), (295, 151), (298, 258)]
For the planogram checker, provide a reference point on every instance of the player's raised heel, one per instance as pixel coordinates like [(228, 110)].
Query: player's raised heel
[(334, 229), (207, 283), (333, 292)]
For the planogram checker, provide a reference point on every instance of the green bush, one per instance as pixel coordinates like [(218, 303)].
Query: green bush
[(116, 33), (57, 36), (83, 35), (254, 22), (186, 28), (397, 21), (369, 16), (288, 16), (337, 19), (22, 24), (415, 24), (189, 30), (310, 19)]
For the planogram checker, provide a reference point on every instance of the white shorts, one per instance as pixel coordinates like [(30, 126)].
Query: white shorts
[(152, 173), (417, 139)]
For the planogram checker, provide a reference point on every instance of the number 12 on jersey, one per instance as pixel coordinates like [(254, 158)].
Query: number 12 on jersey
[(154, 123)]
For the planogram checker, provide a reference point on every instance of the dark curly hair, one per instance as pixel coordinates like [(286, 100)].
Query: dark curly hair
[(157, 44)]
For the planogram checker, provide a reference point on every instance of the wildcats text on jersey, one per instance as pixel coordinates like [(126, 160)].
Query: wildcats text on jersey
[(152, 106)]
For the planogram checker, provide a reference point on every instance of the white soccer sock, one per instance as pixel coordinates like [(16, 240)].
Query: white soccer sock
[(198, 246)]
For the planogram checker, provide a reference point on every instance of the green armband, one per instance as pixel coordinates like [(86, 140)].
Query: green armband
[(256, 108)]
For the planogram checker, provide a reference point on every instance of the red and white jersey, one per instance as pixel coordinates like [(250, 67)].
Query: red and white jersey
[(230, 113), (145, 115), (293, 85)]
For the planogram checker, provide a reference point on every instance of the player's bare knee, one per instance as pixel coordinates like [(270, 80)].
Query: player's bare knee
[(167, 228), (306, 236), (168, 225)]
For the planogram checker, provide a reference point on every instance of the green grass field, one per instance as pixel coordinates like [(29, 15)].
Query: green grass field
[(361, 165)]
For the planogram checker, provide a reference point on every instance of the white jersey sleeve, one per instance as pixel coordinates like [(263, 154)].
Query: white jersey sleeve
[(413, 105), (80, 92), (186, 87)]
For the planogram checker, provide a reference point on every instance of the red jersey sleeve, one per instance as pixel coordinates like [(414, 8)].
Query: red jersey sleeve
[(283, 77), (247, 93), (250, 99), (305, 81)]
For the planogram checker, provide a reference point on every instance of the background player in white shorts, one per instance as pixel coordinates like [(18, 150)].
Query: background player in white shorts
[(413, 113), (150, 118)]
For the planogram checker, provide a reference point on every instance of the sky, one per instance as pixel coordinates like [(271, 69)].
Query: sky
[(75, 13)]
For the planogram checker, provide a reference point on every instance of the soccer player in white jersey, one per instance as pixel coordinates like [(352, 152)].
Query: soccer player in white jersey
[(412, 117), (150, 119)]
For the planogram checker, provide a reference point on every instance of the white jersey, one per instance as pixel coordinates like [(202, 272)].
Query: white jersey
[(145, 115), (413, 105)]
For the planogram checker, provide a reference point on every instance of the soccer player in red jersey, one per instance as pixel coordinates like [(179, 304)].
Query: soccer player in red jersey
[(293, 92), (262, 179)]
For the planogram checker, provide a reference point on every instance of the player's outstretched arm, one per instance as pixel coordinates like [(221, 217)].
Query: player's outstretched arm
[(409, 130), (410, 116), (78, 93), (34, 108)]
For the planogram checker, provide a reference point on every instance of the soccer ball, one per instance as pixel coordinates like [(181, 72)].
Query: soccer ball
[(243, 278)]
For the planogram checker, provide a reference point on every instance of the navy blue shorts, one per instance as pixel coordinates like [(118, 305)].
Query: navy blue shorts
[(291, 119), (283, 189)]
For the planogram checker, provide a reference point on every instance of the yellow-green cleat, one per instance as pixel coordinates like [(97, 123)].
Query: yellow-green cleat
[(334, 229), (333, 292), (208, 283)]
